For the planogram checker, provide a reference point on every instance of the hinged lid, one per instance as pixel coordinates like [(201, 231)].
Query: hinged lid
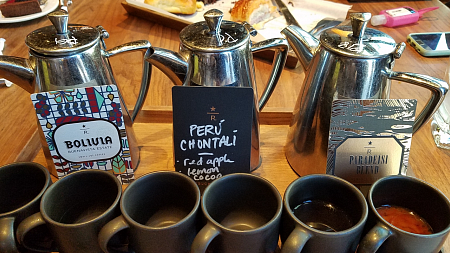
[(357, 40), (62, 39), (214, 34)]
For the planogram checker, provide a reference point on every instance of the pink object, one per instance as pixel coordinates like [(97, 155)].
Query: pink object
[(399, 16)]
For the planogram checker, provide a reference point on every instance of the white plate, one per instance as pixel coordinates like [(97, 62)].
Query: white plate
[(46, 9), (224, 5)]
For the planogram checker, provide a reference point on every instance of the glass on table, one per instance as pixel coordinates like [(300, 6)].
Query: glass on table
[(440, 125)]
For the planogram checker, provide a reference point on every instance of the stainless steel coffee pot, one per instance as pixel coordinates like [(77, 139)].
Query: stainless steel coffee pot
[(217, 52), (64, 56), (348, 62)]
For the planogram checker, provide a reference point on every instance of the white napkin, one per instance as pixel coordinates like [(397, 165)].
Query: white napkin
[(307, 13)]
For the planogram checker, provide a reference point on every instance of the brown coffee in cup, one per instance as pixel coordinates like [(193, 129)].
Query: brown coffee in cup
[(405, 219), (416, 195)]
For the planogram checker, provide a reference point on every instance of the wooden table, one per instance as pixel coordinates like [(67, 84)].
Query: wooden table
[(19, 140)]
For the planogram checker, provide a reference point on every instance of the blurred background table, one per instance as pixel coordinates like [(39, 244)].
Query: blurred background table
[(19, 139)]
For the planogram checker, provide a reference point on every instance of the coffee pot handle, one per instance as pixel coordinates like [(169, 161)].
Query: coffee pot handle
[(437, 87), (281, 47), (146, 48)]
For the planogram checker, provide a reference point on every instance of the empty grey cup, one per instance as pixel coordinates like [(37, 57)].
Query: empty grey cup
[(22, 185), (322, 214), (160, 211), (75, 208), (417, 196), (242, 214)]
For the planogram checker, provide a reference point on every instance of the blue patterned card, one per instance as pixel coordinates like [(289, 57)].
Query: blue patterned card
[(84, 129)]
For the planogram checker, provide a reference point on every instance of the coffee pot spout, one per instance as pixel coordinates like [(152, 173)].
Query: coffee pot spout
[(303, 43), (170, 63), (19, 71)]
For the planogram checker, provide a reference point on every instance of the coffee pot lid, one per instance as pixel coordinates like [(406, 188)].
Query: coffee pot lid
[(215, 34), (357, 40), (60, 38)]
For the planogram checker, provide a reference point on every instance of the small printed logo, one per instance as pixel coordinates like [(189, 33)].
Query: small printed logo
[(353, 47), (71, 42), (213, 113), (227, 39), (83, 141)]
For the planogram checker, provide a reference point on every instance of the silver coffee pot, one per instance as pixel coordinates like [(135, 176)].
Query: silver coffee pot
[(218, 53), (348, 62), (64, 56)]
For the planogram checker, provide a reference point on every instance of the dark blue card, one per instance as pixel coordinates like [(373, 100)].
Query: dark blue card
[(212, 131)]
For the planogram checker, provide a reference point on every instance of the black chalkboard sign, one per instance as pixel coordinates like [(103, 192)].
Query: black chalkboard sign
[(212, 131)]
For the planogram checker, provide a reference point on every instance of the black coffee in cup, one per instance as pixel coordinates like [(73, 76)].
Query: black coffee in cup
[(323, 215)]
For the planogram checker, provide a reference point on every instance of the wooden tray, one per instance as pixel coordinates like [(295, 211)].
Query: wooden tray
[(179, 23), (163, 114)]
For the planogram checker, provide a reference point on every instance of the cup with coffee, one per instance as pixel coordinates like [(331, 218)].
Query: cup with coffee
[(242, 213), (160, 213), (322, 213), (22, 185), (74, 209), (407, 215)]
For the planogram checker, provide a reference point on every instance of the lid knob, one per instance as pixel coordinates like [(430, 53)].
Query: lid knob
[(359, 23), (60, 20), (213, 18)]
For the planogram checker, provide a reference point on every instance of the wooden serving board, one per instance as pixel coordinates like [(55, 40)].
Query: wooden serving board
[(164, 114)]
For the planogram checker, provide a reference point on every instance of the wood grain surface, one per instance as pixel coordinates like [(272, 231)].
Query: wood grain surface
[(19, 141)]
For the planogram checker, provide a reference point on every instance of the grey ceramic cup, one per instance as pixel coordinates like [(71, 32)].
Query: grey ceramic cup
[(160, 211), (414, 194), (22, 185), (242, 214), (298, 236), (75, 208)]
